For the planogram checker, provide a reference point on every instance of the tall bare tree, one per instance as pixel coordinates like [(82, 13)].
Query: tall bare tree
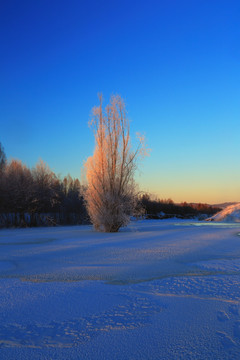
[(111, 192)]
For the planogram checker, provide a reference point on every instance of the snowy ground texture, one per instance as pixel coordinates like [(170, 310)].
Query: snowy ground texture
[(156, 290)]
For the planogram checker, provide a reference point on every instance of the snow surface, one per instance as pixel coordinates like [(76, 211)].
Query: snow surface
[(229, 214), (156, 290)]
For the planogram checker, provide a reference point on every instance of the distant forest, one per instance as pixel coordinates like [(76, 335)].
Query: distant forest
[(163, 209), (38, 197), (35, 197)]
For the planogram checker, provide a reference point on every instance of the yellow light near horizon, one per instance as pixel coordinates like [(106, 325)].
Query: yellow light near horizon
[(193, 192)]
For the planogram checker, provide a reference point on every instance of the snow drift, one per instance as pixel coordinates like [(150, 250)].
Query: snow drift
[(229, 214)]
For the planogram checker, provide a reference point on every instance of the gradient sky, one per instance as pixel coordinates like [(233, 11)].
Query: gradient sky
[(175, 63)]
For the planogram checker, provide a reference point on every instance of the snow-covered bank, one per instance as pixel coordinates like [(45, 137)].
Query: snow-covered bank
[(180, 297), (229, 214)]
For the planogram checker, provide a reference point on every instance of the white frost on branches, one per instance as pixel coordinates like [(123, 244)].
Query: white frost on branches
[(111, 191)]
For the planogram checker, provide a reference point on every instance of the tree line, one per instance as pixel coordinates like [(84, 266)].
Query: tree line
[(160, 209), (35, 197), (38, 197)]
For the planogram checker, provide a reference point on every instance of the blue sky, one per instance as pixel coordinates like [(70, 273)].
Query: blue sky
[(175, 63)]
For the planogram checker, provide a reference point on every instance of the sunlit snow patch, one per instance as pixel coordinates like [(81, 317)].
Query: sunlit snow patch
[(229, 214), (211, 223)]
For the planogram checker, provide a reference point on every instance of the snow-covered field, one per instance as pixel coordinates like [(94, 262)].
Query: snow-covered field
[(156, 290)]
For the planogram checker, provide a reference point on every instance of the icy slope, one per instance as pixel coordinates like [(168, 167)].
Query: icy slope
[(229, 214)]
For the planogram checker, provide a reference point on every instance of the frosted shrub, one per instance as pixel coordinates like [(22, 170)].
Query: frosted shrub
[(111, 191)]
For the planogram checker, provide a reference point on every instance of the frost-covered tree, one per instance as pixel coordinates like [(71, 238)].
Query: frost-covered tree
[(111, 191)]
